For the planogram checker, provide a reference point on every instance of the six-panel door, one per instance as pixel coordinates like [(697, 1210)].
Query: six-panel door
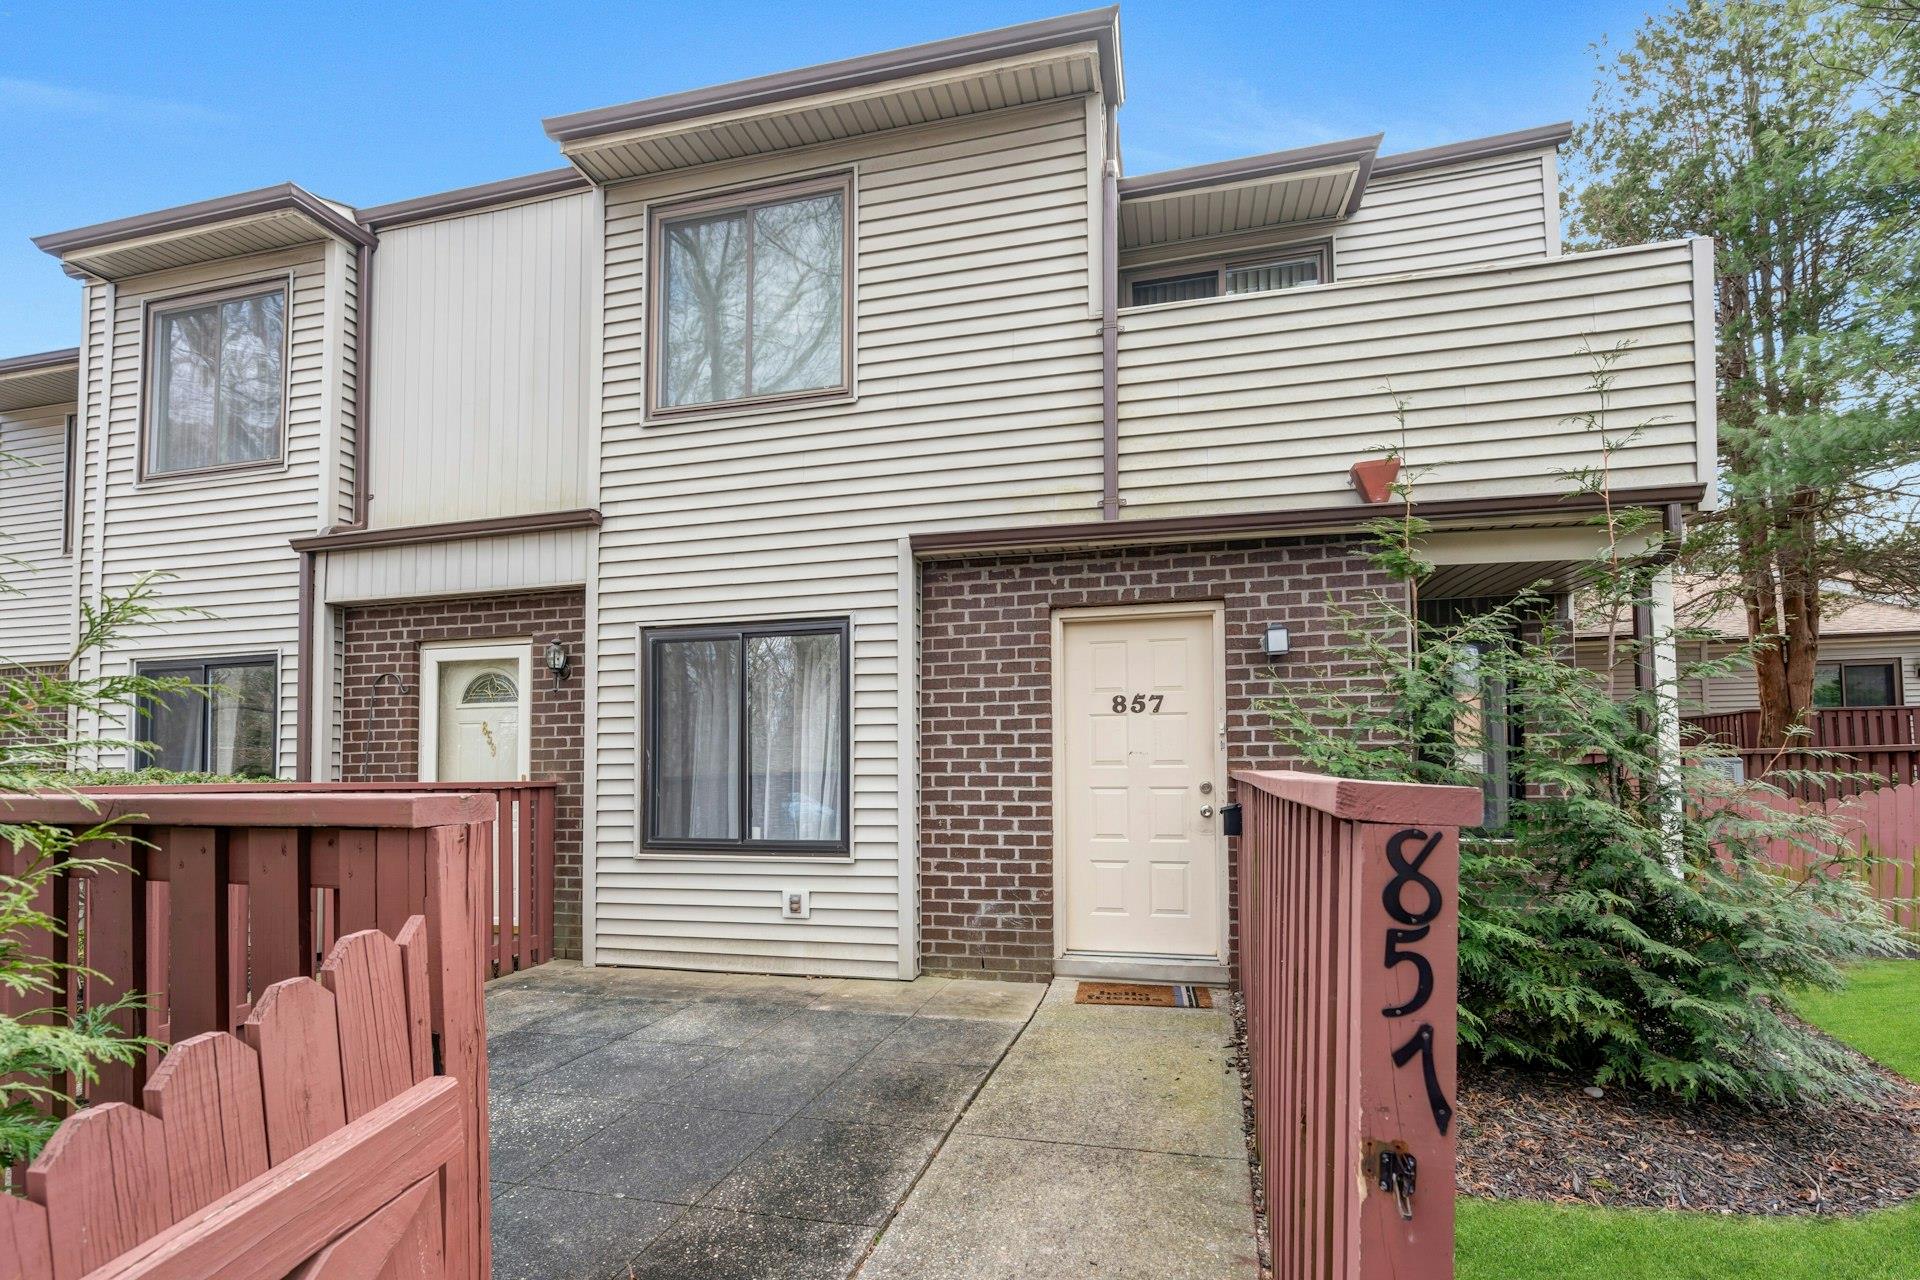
[(1140, 851)]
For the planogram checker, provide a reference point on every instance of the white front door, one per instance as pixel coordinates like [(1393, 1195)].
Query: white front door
[(1139, 753), (475, 704)]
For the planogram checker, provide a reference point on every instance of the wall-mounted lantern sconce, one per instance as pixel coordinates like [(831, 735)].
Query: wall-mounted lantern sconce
[(400, 687), (557, 661), (1276, 643)]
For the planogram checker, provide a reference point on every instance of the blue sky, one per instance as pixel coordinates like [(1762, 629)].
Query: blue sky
[(113, 109)]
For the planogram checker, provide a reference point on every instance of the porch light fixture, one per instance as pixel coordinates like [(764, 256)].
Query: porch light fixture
[(557, 661), (1276, 643)]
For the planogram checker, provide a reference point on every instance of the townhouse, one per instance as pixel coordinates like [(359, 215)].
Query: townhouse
[(882, 511)]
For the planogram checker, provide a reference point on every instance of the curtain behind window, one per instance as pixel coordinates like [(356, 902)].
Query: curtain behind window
[(696, 766), (794, 737)]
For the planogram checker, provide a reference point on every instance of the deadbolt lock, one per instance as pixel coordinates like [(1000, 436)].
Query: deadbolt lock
[(1206, 788)]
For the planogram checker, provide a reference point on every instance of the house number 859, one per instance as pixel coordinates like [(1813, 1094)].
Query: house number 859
[(1138, 703)]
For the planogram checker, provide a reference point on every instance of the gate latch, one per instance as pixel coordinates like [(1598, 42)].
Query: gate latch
[(1396, 1173)]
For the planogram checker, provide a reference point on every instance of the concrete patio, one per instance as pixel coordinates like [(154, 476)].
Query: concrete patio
[(686, 1126)]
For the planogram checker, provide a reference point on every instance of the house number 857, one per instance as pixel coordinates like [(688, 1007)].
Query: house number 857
[(1138, 703)]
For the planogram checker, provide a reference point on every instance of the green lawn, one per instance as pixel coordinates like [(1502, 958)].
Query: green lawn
[(1879, 1014)]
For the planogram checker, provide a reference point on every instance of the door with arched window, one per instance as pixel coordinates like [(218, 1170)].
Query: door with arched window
[(474, 705)]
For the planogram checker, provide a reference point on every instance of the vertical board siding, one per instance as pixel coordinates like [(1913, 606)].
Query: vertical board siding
[(36, 614), (978, 376), (1265, 400), (480, 364), (233, 583), (1471, 214)]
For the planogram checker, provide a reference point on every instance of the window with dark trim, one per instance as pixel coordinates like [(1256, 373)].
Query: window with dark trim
[(1256, 274), (225, 722), (216, 382), (751, 298), (747, 743), (1873, 683)]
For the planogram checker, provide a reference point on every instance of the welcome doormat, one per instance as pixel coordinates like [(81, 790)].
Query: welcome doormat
[(1150, 994)]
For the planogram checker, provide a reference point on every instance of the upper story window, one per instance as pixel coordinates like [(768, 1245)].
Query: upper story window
[(216, 389), (1214, 279), (751, 298)]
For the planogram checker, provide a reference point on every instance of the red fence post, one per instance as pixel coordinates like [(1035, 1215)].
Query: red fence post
[(1349, 971)]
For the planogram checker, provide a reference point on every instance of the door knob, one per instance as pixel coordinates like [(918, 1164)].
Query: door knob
[(1206, 811)]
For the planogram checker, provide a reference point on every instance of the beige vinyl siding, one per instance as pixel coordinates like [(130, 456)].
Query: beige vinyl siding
[(347, 449), (233, 581), (977, 374), (471, 566), (36, 615), (1264, 401), (480, 404), (1469, 214), (1737, 691)]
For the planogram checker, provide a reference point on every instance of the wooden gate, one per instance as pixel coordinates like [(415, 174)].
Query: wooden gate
[(318, 1144)]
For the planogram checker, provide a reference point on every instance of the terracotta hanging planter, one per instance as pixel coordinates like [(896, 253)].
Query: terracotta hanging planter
[(1374, 478)]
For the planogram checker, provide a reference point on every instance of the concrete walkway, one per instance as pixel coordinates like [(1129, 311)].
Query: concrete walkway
[(678, 1126), (1107, 1143)]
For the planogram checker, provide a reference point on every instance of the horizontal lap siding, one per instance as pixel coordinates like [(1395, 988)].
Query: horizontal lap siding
[(480, 364), (36, 615), (978, 376), (1462, 215), (1737, 690), (233, 584), (469, 566), (1268, 399)]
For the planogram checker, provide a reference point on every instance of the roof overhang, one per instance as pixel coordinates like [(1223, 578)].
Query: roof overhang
[(259, 221), (1012, 66), (1282, 188), (48, 377), (1499, 144)]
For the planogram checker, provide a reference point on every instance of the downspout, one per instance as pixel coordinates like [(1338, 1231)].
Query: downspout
[(362, 384), (303, 687), (1110, 321)]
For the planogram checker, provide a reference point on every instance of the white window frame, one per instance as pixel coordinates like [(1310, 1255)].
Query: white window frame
[(435, 656)]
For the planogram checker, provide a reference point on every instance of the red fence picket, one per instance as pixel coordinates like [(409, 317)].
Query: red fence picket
[(1349, 968)]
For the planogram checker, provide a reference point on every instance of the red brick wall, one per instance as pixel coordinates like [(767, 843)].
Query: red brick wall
[(381, 728), (986, 837)]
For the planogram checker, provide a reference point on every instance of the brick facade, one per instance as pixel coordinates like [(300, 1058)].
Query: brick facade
[(381, 727), (986, 770)]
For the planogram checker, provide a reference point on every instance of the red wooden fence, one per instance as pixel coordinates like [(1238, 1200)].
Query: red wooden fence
[(1828, 727), (1882, 742), (1884, 823), (521, 884), (224, 892), (319, 1143), (1349, 966)]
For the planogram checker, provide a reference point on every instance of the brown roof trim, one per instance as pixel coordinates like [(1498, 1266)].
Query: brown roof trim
[(40, 361), (1099, 25), (451, 531), (1500, 144), (1255, 523), (185, 217), (466, 199), (1249, 168)]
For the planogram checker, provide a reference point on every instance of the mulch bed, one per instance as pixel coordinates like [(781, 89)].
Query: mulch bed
[(1527, 1135)]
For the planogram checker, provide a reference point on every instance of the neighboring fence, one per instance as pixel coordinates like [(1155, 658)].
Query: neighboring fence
[(1883, 742), (1348, 963), (1884, 823), (521, 884), (320, 1143), (224, 892)]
